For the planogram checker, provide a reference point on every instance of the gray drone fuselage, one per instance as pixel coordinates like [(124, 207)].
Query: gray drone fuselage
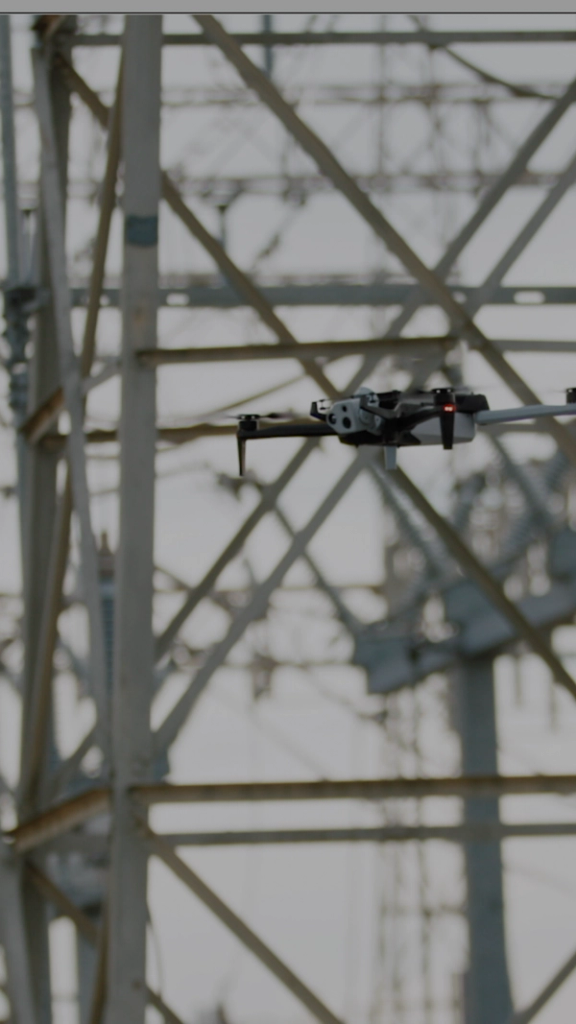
[(352, 416)]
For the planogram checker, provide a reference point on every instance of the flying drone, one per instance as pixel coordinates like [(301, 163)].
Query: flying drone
[(395, 419)]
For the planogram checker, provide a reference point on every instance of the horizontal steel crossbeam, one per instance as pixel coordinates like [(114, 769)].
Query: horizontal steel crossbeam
[(310, 350), (212, 294), (377, 38), (356, 789), (58, 820), (482, 832)]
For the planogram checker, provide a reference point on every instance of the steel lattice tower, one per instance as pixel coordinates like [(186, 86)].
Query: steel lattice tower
[(304, 224)]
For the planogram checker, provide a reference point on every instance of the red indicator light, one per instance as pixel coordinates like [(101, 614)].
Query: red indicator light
[(449, 408)]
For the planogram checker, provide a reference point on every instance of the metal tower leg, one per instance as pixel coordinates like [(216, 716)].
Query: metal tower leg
[(87, 954), (488, 996), (38, 524), (134, 642), (16, 941), (14, 293), (41, 464)]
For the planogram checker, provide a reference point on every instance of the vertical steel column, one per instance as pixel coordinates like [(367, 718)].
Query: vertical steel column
[(487, 992), (13, 933), (87, 952), (38, 517), (268, 50), (134, 642), (16, 295), (40, 486), (13, 226)]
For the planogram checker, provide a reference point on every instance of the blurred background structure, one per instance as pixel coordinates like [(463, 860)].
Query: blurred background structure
[(297, 746)]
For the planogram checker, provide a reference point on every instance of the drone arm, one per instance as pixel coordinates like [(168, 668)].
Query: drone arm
[(526, 412), (287, 430), (282, 430)]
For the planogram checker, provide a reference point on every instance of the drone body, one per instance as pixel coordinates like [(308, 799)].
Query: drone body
[(397, 419)]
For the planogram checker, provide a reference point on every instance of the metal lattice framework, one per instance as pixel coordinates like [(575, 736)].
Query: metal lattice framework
[(397, 259)]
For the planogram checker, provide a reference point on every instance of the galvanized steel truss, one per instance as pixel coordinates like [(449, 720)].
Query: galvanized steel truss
[(52, 820)]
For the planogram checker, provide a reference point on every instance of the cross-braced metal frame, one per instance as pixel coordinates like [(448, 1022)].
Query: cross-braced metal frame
[(82, 838)]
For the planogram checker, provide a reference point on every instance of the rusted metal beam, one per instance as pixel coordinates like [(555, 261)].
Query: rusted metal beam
[(57, 820), (61, 819), (39, 422), (356, 789), (307, 351)]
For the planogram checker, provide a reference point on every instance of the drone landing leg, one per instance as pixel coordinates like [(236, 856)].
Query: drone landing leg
[(390, 456), (241, 456)]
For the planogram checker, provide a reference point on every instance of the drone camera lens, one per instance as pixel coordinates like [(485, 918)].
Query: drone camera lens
[(332, 418)]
